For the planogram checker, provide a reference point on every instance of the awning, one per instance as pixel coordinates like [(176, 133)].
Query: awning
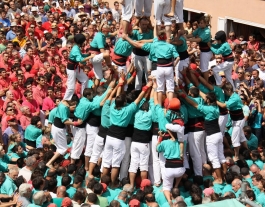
[(242, 21), (228, 202)]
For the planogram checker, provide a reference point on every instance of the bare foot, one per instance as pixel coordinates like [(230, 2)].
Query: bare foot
[(170, 14), (91, 176)]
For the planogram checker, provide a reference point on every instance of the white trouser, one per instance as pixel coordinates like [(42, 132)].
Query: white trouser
[(120, 70), (215, 149), (150, 164), (97, 65), (238, 133), (78, 143), (141, 5), (162, 7), (97, 149), (179, 12), (127, 10), (205, 58), (185, 157), (180, 66), (222, 120), (169, 174), (156, 162), (142, 64), (72, 75), (227, 68), (162, 161), (126, 158), (59, 137), (165, 77), (113, 152), (197, 152), (139, 156), (42, 117), (91, 132)]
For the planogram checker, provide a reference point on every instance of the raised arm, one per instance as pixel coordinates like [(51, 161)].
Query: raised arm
[(133, 43), (144, 90)]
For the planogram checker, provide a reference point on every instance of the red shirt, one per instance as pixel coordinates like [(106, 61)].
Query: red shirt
[(47, 26), (33, 106), (5, 82), (39, 94), (233, 41), (24, 121), (17, 94), (48, 104), (27, 60), (253, 46), (6, 66)]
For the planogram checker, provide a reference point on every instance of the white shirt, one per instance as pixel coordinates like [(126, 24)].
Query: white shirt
[(26, 173), (116, 14), (261, 74)]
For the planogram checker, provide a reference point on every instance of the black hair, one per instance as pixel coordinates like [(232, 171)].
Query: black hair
[(98, 188)]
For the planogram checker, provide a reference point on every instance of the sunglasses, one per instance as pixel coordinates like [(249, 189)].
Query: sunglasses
[(262, 65), (223, 77), (240, 72), (232, 36)]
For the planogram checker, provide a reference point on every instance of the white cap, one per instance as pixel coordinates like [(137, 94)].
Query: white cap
[(46, 1), (80, 6), (13, 24), (93, 23), (34, 8), (22, 14), (45, 31)]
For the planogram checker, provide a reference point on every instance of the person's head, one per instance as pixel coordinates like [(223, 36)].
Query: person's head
[(61, 192), (261, 185), (38, 183), (92, 198), (31, 163), (228, 89), (240, 73), (123, 196), (2, 72), (247, 131), (232, 35), (255, 74), (220, 36), (13, 173), (25, 190), (236, 184), (144, 23), (194, 92), (79, 197), (251, 38), (36, 121), (39, 198)]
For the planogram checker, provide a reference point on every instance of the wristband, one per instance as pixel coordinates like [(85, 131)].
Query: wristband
[(184, 75), (183, 95), (197, 75), (145, 88), (181, 87), (134, 74), (160, 139), (75, 123), (120, 84)]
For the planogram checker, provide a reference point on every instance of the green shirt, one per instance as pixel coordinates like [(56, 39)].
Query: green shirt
[(71, 191), (143, 120), (123, 47), (97, 99), (32, 133), (102, 202), (57, 201), (152, 107), (211, 112), (8, 187), (234, 102), (162, 120), (150, 47), (4, 161), (52, 116), (105, 112), (98, 41), (76, 55), (221, 49), (165, 50), (252, 142), (203, 33), (63, 112), (183, 47), (136, 35), (84, 108), (121, 117), (227, 188), (192, 111), (170, 149)]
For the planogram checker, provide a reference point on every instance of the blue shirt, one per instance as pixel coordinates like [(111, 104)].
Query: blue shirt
[(10, 35), (5, 22)]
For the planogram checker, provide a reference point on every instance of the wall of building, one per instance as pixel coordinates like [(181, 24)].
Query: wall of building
[(249, 10)]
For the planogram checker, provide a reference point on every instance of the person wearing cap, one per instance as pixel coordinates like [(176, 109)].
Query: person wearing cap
[(97, 47), (74, 72), (214, 137), (202, 36), (11, 34), (115, 145), (78, 16), (222, 48), (35, 14), (54, 8)]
